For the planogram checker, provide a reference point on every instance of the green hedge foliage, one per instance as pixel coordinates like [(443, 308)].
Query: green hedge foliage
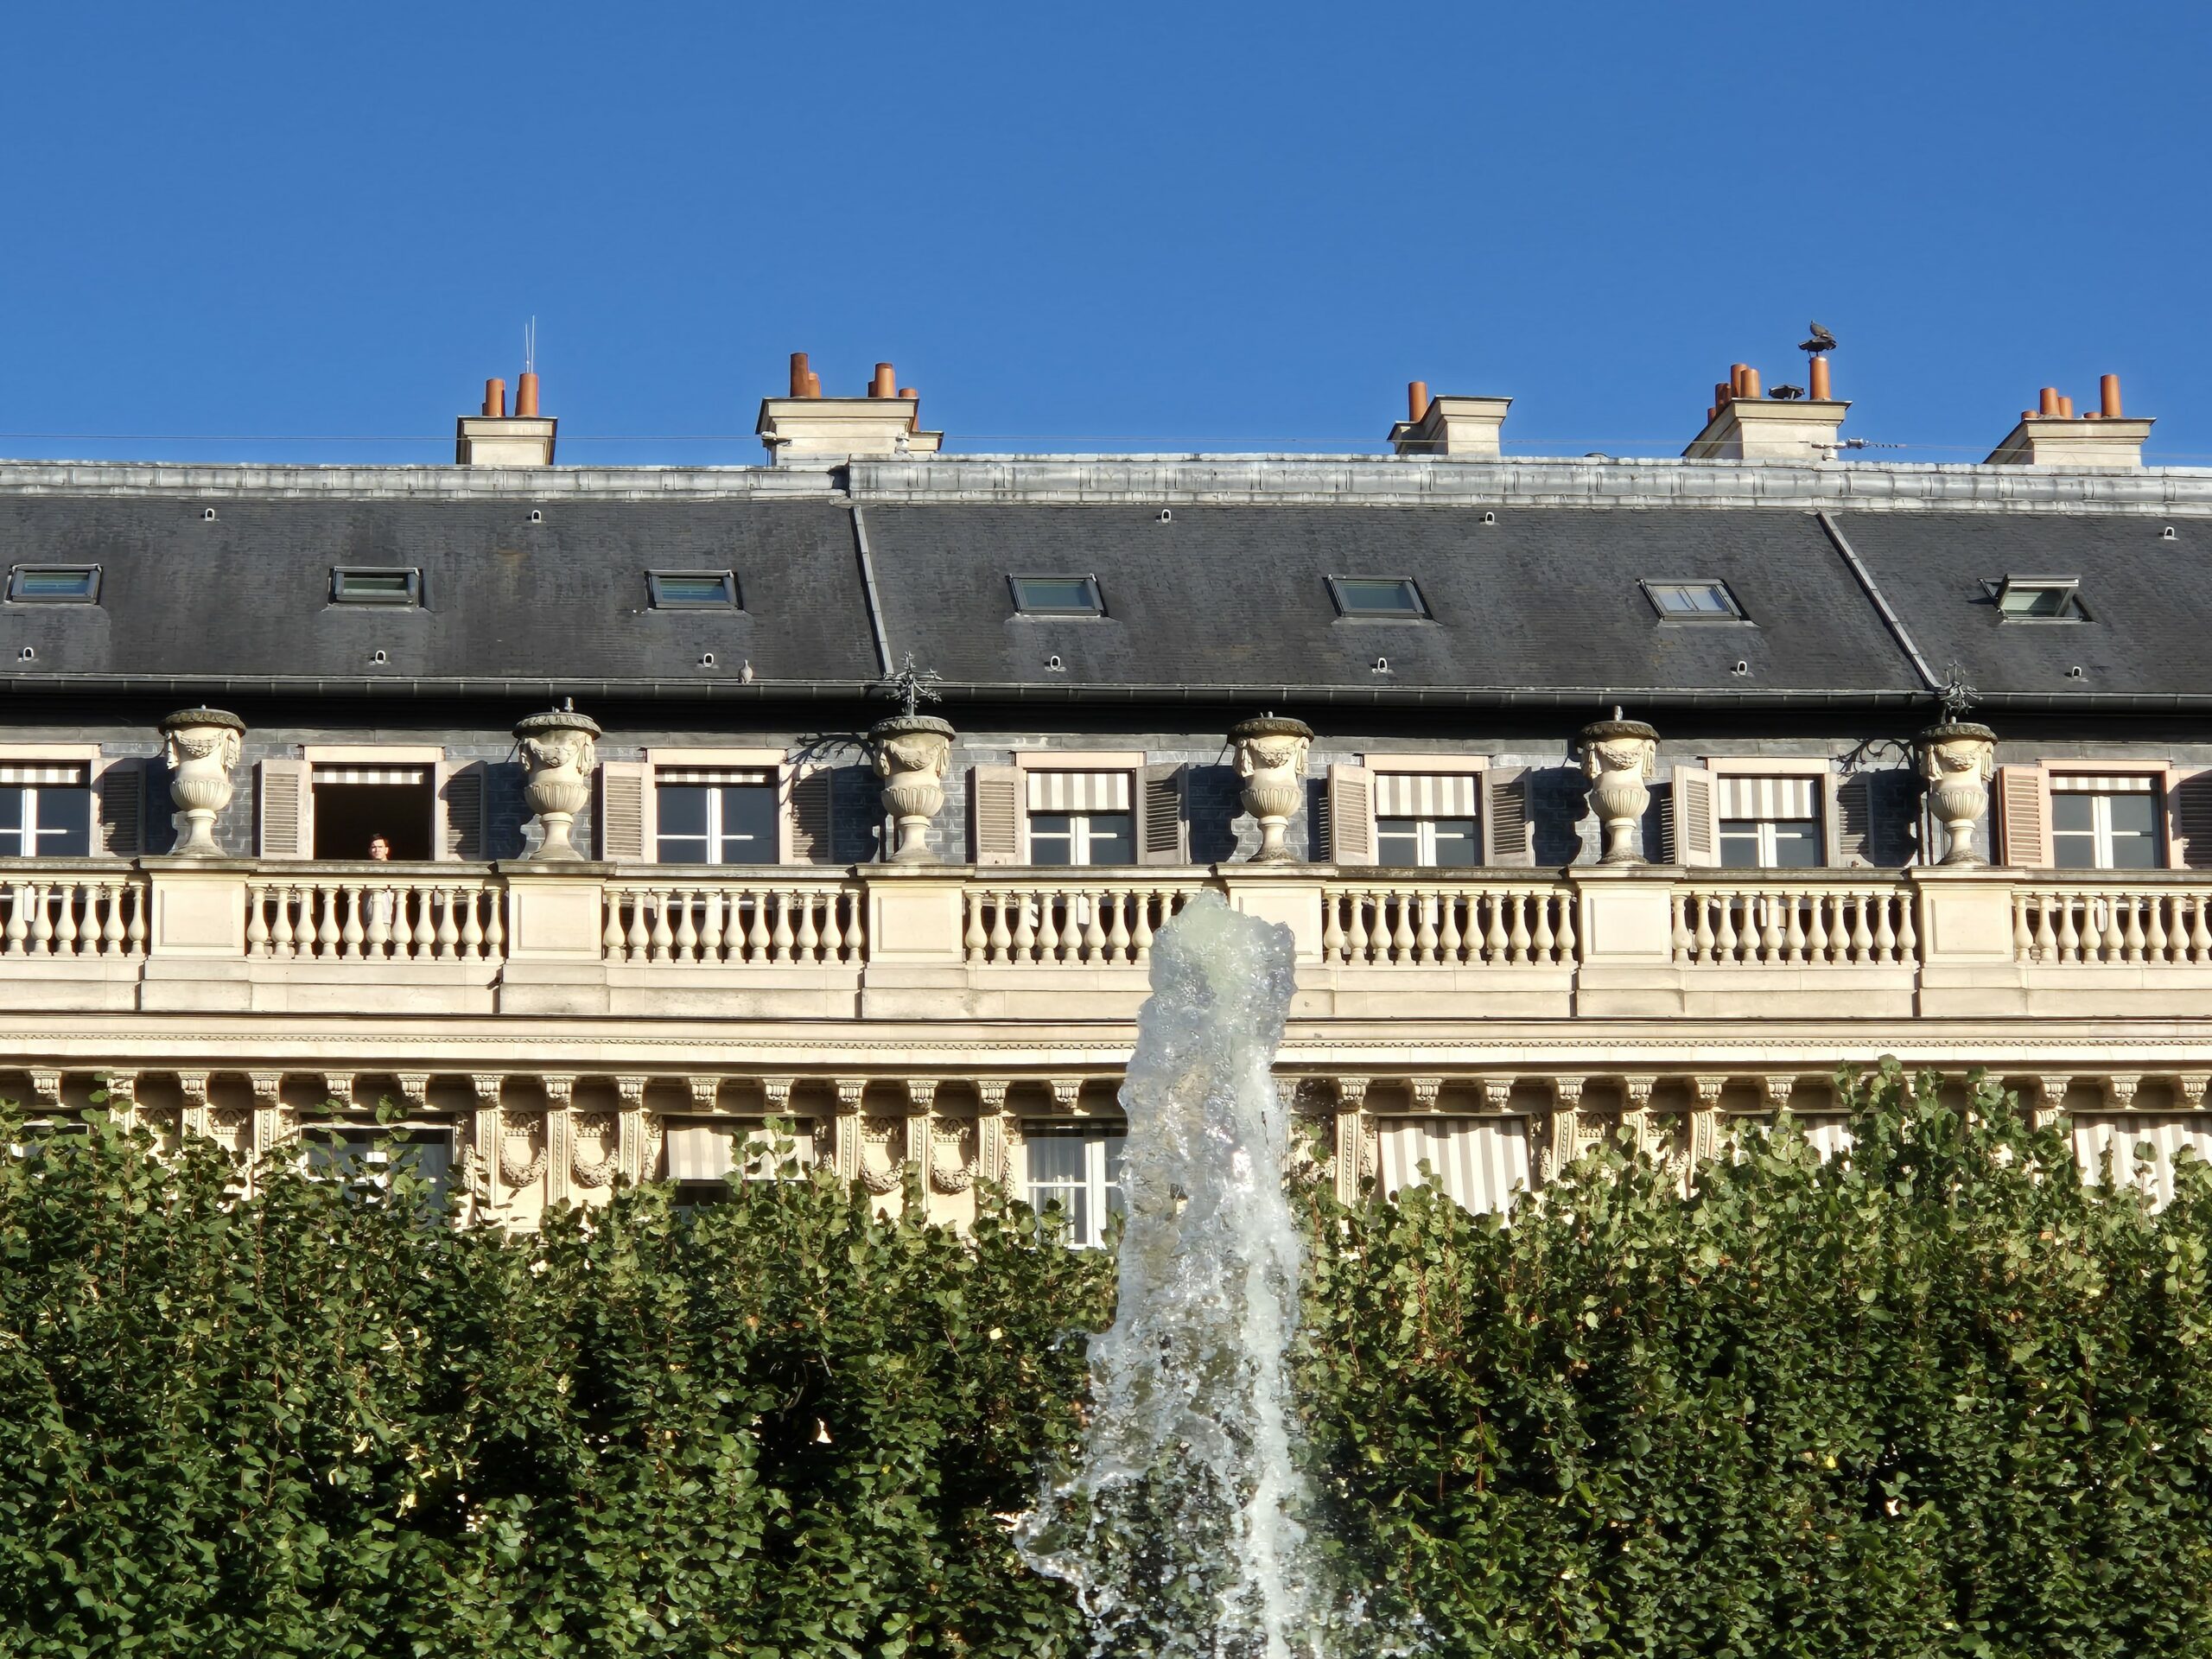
[(1940, 1400)]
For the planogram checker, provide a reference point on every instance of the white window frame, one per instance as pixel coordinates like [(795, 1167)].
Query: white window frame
[(714, 836), (1094, 1184), (95, 764), (428, 755), (1470, 767), (777, 763), (1131, 761), (2100, 832), (1823, 775)]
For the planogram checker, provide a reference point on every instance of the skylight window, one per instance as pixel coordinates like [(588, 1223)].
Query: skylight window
[(357, 585), (2041, 599), (1694, 601), (1378, 598), (693, 590), (1057, 595), (54, 584)]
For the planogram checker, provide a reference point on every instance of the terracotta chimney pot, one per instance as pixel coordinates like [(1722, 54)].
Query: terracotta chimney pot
[(2108, 391), (495, 399), (2048, 403), (526, 396), (886, 384), (1750, 383), (1819, 391), (799, 374)]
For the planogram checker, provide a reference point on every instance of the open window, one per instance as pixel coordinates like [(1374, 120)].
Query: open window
[(2039, 599), (404, 804)]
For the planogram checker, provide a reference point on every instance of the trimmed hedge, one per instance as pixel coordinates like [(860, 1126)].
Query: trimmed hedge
[(1941, 1399)]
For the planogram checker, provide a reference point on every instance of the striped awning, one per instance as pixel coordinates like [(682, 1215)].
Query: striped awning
[(713, 775), (21, 774), (2066, 783), (1424, 795), (702, 1150), (372, 774), (1481, 1162), (1079, 791), (2124, 1134), (1769, 799)]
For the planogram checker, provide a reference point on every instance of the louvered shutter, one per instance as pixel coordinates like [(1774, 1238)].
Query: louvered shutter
[(2189, 819), (287, 808), (461, 802), (1509, 832), (625, 798), (994, 814), (122, 794), (1351, 815), (1165, 832), (2024, 814), (807, 816), (1696, 819), (1848, 824)]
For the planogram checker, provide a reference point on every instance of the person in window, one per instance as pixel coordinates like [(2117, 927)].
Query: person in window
[(379, 850), (383, 902)]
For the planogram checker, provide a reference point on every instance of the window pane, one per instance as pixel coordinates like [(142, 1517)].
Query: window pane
[(1398, 842), (373, 587), (1455, 844), (2132, 814), (2076, 851), (1739, 843), (2017, 601), (1377, 597), (1057, 596), (1797, 844), (11, 820), (1117, 1141), (74, 582), (748, 823), (1112, 838), (65, 822), (1051, 838), (2135, 853), (2072, 813), (675, 589), (1692, 598), (681, 810)]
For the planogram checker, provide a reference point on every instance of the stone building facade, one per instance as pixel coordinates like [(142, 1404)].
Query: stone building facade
[(1592, 792)]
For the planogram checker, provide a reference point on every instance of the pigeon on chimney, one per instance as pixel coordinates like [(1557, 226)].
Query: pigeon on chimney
[(1821, 342)]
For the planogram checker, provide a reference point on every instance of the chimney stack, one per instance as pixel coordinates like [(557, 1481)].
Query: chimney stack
[(2051, 435), (805, 427), (1743, 424), (1460, 428), (495, 438)]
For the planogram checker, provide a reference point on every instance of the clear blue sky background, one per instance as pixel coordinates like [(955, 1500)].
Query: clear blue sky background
[(1158, 226)]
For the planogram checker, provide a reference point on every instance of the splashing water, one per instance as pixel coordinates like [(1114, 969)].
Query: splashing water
[(1181, 1530)]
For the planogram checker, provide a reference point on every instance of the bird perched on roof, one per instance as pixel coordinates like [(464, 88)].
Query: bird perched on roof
[(1821, 341)]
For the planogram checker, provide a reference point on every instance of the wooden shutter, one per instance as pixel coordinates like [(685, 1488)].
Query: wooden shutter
[(287, 801), (1164, 831), (994, 808), (1695, 806), (1352, 814), (2189, 819), (2023, 819), (806, 815), (1509, 832), (1847, 819), (626, 811), (461, 810), (123, 793)]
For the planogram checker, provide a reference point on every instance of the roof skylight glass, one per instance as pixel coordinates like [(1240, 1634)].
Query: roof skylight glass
[(2041, 599), (1057, 595), (1694, 601), (354, 585), (1383, 598), (693, 590), (54, 584)]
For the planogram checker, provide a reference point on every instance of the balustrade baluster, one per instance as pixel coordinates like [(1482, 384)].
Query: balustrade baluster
[(1140, 934), (1724, 927), (713, 906), (1332, 930), (757, 933), (833, 926), (2200, 934), (998, 943), (2131, 942), (41, 921), (684, 942), (1425, 931), (257, 919), (1565, 937), (1026, 908), (1545, 941), (110, 906), (1796, 942), (2115, 937), (810, 933), (1862, 936), (1497, 937), (1516, 932), (1682, 937), (1401, 927), (1094, 933), (472, 926), (345, 907), (1701, 939), (1449, 939), (64, 921), (782, 936), (973, 938), (638, 936), (1117, 936), (2154, 934), (1770, 927), (612, 936)]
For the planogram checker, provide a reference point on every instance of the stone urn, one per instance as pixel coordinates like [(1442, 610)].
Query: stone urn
[(1271, 763), (910, 753), (559, 754), (1958, 758), (201, 747), (1618, 757)]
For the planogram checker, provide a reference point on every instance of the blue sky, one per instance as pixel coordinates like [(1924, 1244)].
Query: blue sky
[(1128, 226)]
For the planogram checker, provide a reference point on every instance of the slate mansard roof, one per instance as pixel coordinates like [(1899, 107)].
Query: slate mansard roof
[(1860, 582)]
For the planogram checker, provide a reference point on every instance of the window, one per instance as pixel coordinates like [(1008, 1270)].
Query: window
[(2040, 599), (692, 590), (367, 1155), (1378, 598), (1769, 823), (1480, 1163), (2105, 824), (1057, 595), (356, 806), (1426, 822), (699, 1154), (54, 584), (46, 811), (1081, 818), (1694, 601), (712, 817), (356, 585), (1078, 1167)]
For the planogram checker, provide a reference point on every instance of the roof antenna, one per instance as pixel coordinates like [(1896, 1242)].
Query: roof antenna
[(530, 346)]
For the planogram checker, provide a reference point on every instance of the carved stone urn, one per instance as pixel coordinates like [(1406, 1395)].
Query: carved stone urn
[(201, 747), (1958, 759), (560, 752), (1271, 762), (910, 753), (1618, 757)]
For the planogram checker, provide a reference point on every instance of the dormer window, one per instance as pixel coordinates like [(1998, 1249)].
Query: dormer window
[(1056, 595), (1700, 600), (693, 590), (1382, 599), (2040, 599), (362, 585), (54, 584)]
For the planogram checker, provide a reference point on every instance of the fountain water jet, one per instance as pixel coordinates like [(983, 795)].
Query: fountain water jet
[(1182, 1529)]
